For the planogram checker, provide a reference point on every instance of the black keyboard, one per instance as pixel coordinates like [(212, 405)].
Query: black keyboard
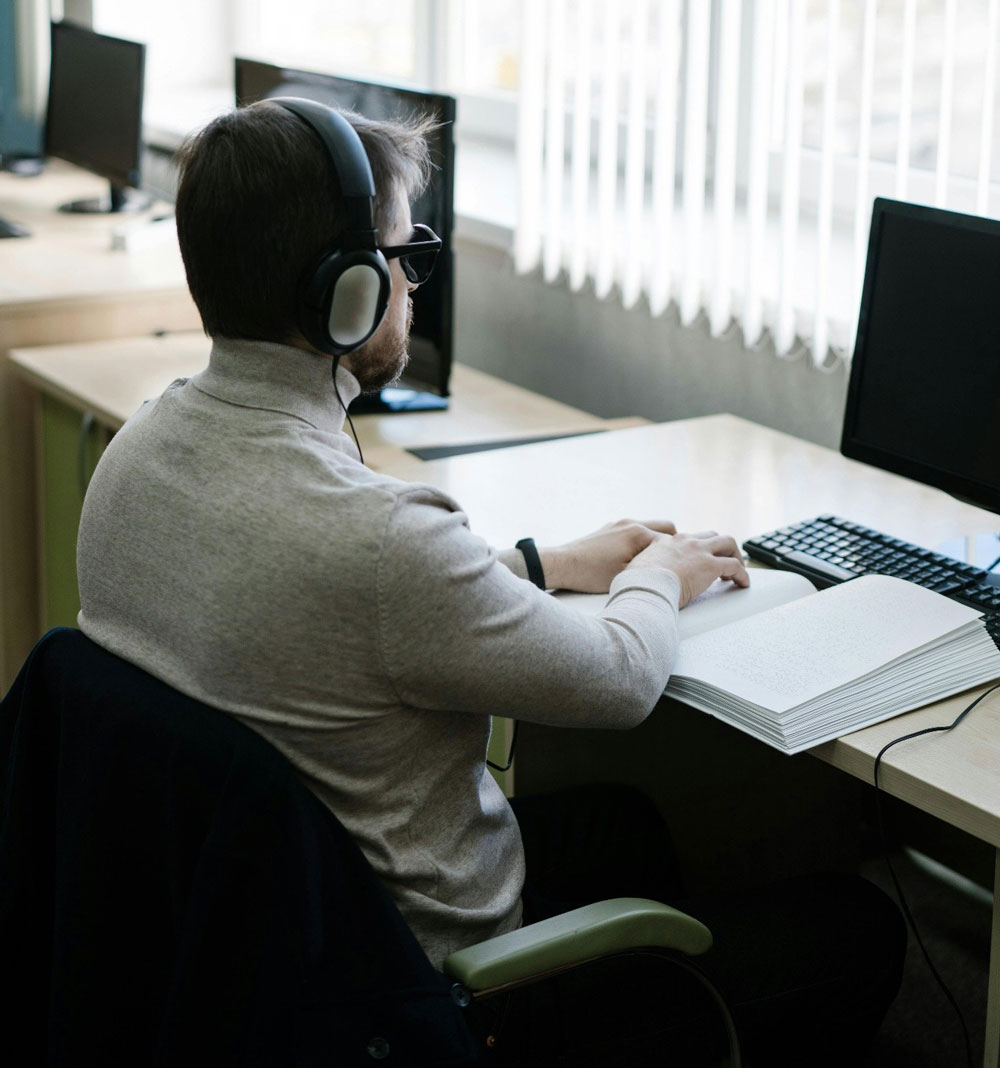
[(829, 550)]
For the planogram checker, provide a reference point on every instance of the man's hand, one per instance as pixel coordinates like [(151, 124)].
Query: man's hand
[(696, 559), (588, 564)]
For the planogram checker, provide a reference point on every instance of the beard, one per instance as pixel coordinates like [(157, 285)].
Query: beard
[(382, 359)]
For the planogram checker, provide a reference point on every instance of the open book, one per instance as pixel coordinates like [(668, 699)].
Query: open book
[(794, 667)]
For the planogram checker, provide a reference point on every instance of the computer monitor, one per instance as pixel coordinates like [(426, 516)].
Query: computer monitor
[(924, 394), (431, 334), (94, 117)]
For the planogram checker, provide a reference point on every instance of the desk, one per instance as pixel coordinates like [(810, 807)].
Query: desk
[(62, 284), (724, 473)]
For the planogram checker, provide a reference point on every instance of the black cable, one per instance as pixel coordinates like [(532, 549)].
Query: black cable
[(903, 904), (510, 755), (336, 389)]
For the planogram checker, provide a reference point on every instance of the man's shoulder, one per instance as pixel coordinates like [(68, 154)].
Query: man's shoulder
[(425, 528), (152, 411)]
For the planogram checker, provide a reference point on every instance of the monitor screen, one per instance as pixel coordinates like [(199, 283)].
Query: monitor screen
[(431, 334), (94, 116), (924, 393)]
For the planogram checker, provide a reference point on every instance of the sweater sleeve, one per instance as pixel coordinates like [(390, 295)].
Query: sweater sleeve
[(458, 630), (513, 560)]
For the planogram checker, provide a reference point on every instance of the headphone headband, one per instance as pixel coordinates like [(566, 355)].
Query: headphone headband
[(343, 298), (342, 142), (350, 162)]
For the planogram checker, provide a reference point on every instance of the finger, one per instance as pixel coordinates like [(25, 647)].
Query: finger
[(723, 545), (639, 535), (733, 570), (661, 526)]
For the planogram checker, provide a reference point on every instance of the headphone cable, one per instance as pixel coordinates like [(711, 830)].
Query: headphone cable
[(350, 421)]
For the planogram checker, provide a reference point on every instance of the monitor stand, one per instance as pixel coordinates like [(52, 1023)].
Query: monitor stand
[(394, 401), (12, 229), (23, 166), (120, 199), (981, 550)]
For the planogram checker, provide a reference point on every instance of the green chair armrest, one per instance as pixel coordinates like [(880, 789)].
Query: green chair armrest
[(559, 942)]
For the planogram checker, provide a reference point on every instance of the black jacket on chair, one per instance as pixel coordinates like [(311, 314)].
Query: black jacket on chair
[(171, 893)]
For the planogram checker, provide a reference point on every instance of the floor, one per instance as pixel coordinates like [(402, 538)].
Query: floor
[(921, 1029)]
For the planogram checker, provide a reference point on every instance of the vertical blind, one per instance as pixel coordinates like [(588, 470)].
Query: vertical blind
[(721, 157)]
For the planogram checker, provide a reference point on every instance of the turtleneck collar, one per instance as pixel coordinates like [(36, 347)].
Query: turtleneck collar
[(280, 378)]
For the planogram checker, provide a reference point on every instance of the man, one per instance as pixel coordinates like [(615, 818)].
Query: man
[(234, 545)]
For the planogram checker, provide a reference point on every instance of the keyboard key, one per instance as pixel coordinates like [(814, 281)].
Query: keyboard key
[(822, 567), (949, 585)]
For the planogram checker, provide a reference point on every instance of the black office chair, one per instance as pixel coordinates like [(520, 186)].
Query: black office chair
[(171, 893)]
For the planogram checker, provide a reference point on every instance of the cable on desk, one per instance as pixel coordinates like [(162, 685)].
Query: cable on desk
[(903, 904)]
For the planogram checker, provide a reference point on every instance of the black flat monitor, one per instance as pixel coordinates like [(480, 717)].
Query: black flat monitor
[(94, 117), (428, 371), (924, 393)]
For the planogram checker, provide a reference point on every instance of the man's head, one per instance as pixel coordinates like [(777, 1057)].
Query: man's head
[(259, 202)]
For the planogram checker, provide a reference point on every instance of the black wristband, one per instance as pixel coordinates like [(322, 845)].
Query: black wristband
[(532, 561)]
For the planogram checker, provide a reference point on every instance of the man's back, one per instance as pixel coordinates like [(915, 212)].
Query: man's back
[(231, 545)]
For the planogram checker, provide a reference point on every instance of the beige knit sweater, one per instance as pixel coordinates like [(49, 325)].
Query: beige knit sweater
[(233, 545)]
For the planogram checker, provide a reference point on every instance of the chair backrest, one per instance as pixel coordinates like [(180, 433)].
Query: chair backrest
[(170, 891)]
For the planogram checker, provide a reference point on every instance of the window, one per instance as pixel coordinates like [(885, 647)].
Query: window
[(739, 144), (458, 46), (916, 46), (377, 38)]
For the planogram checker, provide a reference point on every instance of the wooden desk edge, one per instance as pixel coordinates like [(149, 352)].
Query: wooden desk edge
[(899, 782), (49, 388)]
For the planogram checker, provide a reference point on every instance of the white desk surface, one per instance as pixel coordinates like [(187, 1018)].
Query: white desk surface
[(69, 256), (724, 473)]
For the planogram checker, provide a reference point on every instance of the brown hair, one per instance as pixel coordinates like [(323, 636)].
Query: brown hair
[(258, 202)]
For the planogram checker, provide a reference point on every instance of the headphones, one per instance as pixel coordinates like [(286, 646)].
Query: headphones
[(343, 298)]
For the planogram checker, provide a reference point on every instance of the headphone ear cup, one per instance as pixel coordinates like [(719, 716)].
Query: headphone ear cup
[(356, 305), (345, 300)]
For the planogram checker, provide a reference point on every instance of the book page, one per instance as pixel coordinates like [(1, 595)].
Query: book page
[(721, 603), (785, 656)]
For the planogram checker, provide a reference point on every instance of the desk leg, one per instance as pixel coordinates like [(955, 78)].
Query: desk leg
[(991, 1058)]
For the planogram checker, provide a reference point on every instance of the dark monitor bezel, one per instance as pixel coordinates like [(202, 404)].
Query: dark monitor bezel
[(130, 177), (980, 494), (445, 109)]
